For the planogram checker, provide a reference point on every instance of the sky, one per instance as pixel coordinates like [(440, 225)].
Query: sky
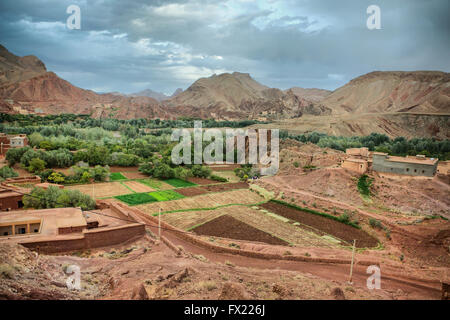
[(131, 45)]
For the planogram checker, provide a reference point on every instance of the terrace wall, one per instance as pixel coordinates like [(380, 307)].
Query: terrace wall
[(93, 238)]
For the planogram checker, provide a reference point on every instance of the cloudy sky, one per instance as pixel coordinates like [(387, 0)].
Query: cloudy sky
[(132, 45)]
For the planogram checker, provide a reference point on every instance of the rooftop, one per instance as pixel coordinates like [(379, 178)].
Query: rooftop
[(428, 161)]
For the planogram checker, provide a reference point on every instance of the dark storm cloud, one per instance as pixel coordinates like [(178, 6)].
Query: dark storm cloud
[(131, 45)]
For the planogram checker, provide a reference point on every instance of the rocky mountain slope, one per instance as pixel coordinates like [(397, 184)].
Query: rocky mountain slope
[(378, 92), (27, 87), (239, 95)]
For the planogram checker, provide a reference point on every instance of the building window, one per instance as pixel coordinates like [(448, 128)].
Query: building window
[(407, 169), (423, 171), (415, 170)]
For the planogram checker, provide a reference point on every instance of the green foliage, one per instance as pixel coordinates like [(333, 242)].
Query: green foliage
[(381, 143), (342, 218), (136, 198), (53, 197), (116, 176), (36, 165), (123, 159), (56, 177), (374, 223), (364, 184), (201, 171), (218, 178), (166, 195), (178, 183), (8, 172), (14, 155), (296, 164)]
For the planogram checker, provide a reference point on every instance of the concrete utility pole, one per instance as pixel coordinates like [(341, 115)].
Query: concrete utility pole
[(351, 266)]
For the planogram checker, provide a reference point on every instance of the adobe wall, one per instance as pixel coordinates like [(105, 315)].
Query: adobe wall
[(10, 203), (94, 238), (360, 167), (381, 164)]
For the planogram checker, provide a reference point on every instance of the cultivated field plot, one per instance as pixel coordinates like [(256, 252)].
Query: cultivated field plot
[(155, 184), (166, 195), (201, 181), (256, 218), (228, 227), (134, 175), (136, 186), (322, 224), (194, 191), (101, 190), (227, 175), (133, 199), (204, 201), (178, 183), (114, 176)]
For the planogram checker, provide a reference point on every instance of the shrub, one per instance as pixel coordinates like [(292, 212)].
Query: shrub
[(374, 223), (296, 164), (36, 165), (7, 172), (56, 177), (218, 178), (364, 184), (201, 171)]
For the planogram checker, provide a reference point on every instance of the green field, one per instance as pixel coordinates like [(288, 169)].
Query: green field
[(178, 183), (155, 184), (136, 198), (114, 176), (166, 195)]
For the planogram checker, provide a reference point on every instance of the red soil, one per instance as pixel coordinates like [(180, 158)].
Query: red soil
[(229, 227), (328, 226)]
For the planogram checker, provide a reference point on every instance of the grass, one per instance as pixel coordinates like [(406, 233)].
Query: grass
[(343, 218), (117, 176), (166, 195), (178, 183), (364, 184), (136, 198), (155, 184)]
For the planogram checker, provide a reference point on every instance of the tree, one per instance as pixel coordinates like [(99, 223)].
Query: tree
[(14, 155), (36, 165), (35, 139)]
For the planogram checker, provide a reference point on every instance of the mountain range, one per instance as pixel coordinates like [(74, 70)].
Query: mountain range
[(394, 100)]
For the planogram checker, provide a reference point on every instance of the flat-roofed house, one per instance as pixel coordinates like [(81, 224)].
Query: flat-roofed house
[(412, 165)]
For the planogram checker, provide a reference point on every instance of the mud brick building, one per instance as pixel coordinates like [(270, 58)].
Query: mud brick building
[(12, 141), (410, 165), (9, 199)]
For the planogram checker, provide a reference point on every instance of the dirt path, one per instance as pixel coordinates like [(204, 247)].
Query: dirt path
[(416, 289)]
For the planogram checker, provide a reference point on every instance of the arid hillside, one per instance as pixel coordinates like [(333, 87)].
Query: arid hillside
[(379, 92)]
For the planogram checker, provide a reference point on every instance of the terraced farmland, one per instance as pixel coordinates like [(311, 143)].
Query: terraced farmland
[(204, 201)]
